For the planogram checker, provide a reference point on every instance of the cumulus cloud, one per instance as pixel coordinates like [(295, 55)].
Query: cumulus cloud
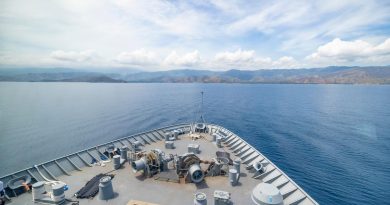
[(236, 57), (286, 62), (137, 57), (247, 59), (295, 28), (73, 56), (187, 59), (350, 51)]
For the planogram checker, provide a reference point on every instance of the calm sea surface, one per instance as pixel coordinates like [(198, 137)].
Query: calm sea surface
[(333, 140)]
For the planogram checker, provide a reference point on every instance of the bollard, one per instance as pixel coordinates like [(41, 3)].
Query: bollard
[(106, 191), (58, 192), (200, 199)]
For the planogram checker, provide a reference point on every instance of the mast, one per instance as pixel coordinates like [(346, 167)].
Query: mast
[(201, 109), (199, 124)]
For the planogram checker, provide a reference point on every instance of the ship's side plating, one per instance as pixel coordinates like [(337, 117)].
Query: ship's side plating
[(64, 165), (292, 193)]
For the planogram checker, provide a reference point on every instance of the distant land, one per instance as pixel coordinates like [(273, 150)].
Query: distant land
[(327, 75)]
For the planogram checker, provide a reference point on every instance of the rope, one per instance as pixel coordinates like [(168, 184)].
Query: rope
[(91, 188)]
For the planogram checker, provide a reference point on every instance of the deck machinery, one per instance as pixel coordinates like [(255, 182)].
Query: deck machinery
[(186, 166)]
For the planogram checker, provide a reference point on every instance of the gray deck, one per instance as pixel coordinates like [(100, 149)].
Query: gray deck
[(128, 185)]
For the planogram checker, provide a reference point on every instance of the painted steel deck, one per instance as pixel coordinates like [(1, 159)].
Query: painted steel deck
[(76, 169)]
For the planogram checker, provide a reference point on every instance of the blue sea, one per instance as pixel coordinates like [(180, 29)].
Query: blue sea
[(333, 140)]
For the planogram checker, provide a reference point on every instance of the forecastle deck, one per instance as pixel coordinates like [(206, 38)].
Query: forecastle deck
[(76, 169)]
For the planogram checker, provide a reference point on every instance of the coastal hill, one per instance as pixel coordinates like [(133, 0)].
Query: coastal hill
[(327, 75)]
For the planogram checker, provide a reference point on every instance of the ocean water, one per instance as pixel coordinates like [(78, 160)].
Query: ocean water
[(333, 140)]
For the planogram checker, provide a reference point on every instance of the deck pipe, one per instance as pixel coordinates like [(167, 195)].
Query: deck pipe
[(124, 153), (219, 141), (176, 134), (117, 161), (214, 137), (233, 176), (237, 165)]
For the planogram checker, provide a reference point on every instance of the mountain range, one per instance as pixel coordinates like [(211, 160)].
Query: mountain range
[(327, 75)]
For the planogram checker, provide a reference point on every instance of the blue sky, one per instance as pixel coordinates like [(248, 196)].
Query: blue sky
[(203, 34)]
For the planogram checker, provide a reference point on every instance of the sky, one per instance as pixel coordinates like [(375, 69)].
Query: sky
[(203, 34)]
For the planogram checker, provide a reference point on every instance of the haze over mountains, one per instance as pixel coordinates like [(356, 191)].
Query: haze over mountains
[(327, 75)]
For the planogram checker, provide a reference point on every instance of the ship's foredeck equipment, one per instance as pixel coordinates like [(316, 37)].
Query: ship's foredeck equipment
[(267, 194), (18, 182), (106, 190), (55, 195), (188, 166), (200, 199), (169, 145), (212, 169), (151, 163), (221, 198)]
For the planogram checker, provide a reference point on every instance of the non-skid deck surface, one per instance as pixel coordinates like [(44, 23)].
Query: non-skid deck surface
[(131, 186)]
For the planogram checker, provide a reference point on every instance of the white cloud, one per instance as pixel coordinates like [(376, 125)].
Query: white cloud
[(73, 56), (186, 60), (229, 7), (173, 18), (300, 26), (137, 57), (247, 59), (271, 16), (236, 57), (31, 30), (383, 48), (286, 62), (358, 51)]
